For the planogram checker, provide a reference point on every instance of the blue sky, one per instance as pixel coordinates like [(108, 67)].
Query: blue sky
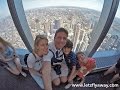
[(93, 4), (30, 4)]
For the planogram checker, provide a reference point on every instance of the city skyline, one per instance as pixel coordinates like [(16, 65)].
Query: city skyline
[(79, 22), (31, 4)]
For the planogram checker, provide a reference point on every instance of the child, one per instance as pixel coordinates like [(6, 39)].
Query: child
[(9, 57), (87, 65), (71, 61)]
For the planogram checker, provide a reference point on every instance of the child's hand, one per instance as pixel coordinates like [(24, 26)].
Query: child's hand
[(83, 69), (86, 73)]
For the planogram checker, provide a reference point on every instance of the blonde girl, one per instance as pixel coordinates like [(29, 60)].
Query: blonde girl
[(9, 57)]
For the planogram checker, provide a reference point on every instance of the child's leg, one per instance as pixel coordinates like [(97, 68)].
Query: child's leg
[(115, 78), (12, 68), (70, 79), (19, 66), (110, 70), (16, 72), (69, 84), (83, 80)]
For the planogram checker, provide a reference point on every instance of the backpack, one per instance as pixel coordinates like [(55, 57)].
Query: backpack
[(26, 56)]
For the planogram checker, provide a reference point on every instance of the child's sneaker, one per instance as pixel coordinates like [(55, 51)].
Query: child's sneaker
[(24, 74), (68, 85), (25, 67)]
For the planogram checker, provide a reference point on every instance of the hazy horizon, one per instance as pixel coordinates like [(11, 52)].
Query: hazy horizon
[(31, 4)]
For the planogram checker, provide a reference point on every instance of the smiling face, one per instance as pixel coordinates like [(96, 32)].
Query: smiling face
[(60, 40), (66, 50), (81, 57), (42, 47)]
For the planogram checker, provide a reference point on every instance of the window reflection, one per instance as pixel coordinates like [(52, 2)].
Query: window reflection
[(112, 39)]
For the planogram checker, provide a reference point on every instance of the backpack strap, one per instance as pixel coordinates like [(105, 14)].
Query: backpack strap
[(34, 54), (52, 52), (35, 57), (26, 56)]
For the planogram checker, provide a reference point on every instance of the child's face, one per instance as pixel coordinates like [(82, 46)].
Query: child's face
[(81, 57), (66, 50)]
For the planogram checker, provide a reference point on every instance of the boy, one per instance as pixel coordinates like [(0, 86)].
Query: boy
[(71, 61)]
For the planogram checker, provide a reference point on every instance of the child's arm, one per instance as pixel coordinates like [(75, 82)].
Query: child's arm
[(92, 67), (86, 73), (3, 59), (93, 64), (14, 51), (71, 76)]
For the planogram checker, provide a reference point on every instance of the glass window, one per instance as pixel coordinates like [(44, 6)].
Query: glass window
[(7, 28), (78, 16), (112, 39)]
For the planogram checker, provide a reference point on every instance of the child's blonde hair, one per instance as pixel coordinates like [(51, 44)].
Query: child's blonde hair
[(5, 43), (80, 53)]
